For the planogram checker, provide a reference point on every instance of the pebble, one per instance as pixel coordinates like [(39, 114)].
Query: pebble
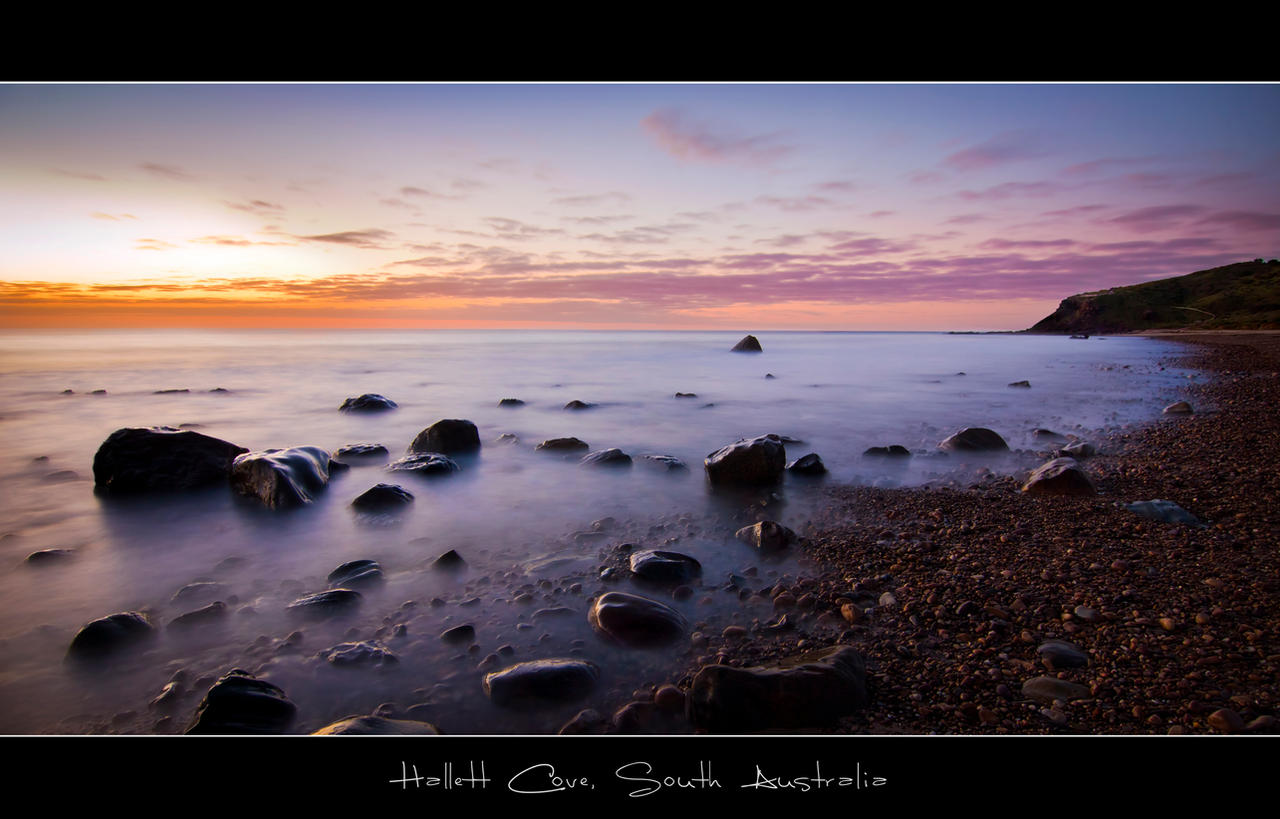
[(1226, 721)]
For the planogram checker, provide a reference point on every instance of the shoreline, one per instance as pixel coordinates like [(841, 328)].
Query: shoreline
[(1177, 622)]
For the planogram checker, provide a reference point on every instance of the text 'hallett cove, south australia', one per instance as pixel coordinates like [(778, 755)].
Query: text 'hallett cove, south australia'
[(634, 779)]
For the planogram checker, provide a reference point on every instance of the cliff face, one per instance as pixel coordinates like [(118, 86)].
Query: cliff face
[(1243, 296)]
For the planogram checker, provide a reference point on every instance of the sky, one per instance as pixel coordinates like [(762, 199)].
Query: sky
[(619, 206)]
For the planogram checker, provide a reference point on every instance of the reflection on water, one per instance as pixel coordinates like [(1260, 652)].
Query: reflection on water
[(521, 519)]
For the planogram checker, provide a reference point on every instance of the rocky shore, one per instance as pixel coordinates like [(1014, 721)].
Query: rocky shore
[(980, 608)]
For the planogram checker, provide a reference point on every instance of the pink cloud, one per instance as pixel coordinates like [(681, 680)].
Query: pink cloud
[(683, 138), (1007, 147)]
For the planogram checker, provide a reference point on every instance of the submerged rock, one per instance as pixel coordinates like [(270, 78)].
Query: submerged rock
[(578, 405), (356, 573), (109, 634), (891, 451), (368, 402), (1179, 408), (450, 560), (376, 726), (634, 620), (1026, 384), (767, 536), (511, 402), (554, 680), (561, 445), (752, 461), (686, 395), (215, 612), (460, 635), (449, 436), (812, 690), (975, 439), (326, 603), (349, 655), (44, 557), (161, 459), (606, 457), (668, 462), (384, 497), (1061, 476), (748, 344), (1163, 511), (239, 703), (1078, 449), (282, 478), (668, 568), (361, 452), (425, 464), (810, 464)]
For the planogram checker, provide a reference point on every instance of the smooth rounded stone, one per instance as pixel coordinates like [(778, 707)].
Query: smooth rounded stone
[(1061, 654), (1163, 511), (810, 464), (891, 451), (326, 603), (449, 560), (1079, 449), (356, 573), (1024, 384), (194, 591), (975, 439), (282, 478), (555, 611), (752, 461), (362, 452), (383, 497), (1048, 689), (561, 445), (670, 699), (459, 635), (1048, 435), (449, 436), (587, 721), (239, 703), (1061, 476), (46, 557), (578, 405), (634, 620), (1179, 408), (511, 402), (161, 459), (552, 680), (425, 464), (358, 654), (1226, 721), (1086, 614), (667, 568), (748, 344), (369, 402), (215, 612), (376, 726), (108, 634), (606, 457), (668, 462), (811, 690), (767, 536)]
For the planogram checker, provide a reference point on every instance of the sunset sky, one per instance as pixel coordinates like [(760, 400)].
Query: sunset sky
[(857, 207)]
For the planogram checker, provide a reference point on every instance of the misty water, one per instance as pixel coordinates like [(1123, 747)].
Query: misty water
[(526, 522)]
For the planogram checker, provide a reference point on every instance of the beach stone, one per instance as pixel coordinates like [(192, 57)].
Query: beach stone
[(668, 462), (1049, 435), (383, 497), (282, 478), (1079, 449), (975, 439), (634, 620), (750, 461), (1179, 408), (359, 654), (326, 603), (109, 634), (561, 445), (45, 557), (1061, 654), (1163, 511), (578, 405), (447, 437), (552, 680), (194, 591), (511, 402), (425, 464), (450, 560), (1226, 721), (161, 459), (748, 344), (215, 612), (587, 721), (460, 635), (1048, 689), (667, 568), (360, 452), (767, 536), (376, 726), (811, 690), (368, 403), (606, 457), (892, 451), (1061, 476), (810, 464), (356, 573), (239, 703)]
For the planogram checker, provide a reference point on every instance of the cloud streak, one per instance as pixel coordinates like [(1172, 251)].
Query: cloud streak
[(687, 139)]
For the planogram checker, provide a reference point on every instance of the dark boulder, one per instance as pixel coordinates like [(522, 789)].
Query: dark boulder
[(1178, 408), (425, 464), (511, 402), (359, 655), (356, 573), (557, 680), (561, 445), (376, 726), (810, 464), (668, 462), (384, 497), (282, 478), (975, 439), (450, 560), (450, 436), (1078, 449), (578, 405), (812, 690), (634, 620), (460, 635), (1042, 434), (1061, 476), (215, 612), (238, 703), (368, 403), (110, 634), (586, 722), (160, 459), (767, 536), (748, 344), (1026, 384), (666, 568), (362, 452), (326, 603), (606, 457), (892, 451), (752, 461), (45, 557)]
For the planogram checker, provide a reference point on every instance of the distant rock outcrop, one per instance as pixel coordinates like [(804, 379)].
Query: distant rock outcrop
[(749, 344)]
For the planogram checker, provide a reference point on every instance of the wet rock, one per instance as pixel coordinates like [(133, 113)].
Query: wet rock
[(975, 439), (748, 344), (170, 392), (753, 461), (450, 560), (447, 437), (810, 464), (552, 680), (326, 603), (361, 654), (194, 591), (45, 557), (561, 445), (892, 451), (606, 457), (767, 536), (1048, 689), (384, 497), (1061, 476), (634, 620), (362, 452), (509, 438), (1061, 654), (110, 634), (511, 402), (356, 573), (1163, 511), (686, 395), (668, 462), (1179, 408), (578, 405), (215, 612), (376, 726), (1078, 449), (588, 721), (812, 690), (459, 635), (425, 464), (238, 703), (281, 478), (1025, 384), (1048, 435), (666, 568), (368, 403), (161, 459)]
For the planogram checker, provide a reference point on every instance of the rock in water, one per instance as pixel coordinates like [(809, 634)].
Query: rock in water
[(810, 464), (1180, 408), (749, 344), (109, 634), (606, 457), (160, 459), (1163, 511), (578, 405), (753, 461), (215, 612), (1079, 449), (376, 726), (1061, 476), (48, 556), (812, 690), (511, 402), (384, 497), (425, 464), (767, 536), (541, 680), (282, 478), (1026, 384), (634, 620), (667, 568), (449, 436), (561, 445), (892, 451), (356, 573), (359, 655), (238, 703), (354, 452), (326, 603), (975, 439), (450, 560), (368, 403)]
